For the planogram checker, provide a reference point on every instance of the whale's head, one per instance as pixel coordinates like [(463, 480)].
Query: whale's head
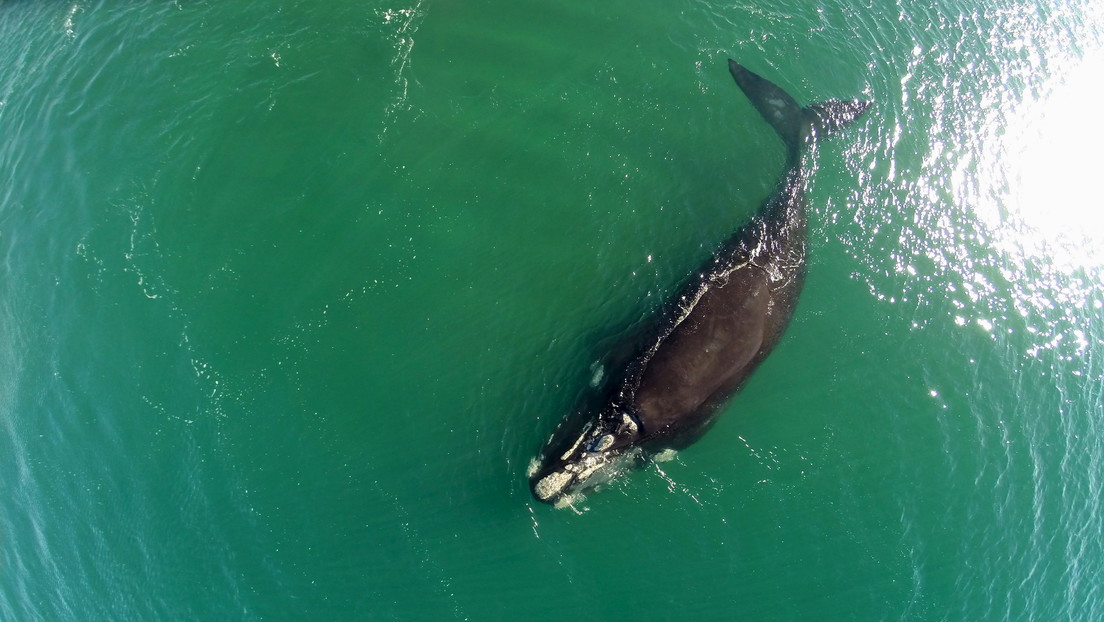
[(597, 452)]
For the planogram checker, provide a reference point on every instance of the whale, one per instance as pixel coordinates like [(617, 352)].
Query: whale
[(701, 347)]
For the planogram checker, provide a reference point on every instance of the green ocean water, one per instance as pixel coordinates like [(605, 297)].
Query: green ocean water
[(291, 293)]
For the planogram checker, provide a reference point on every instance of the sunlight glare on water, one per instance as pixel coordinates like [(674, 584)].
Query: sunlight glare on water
[(1007, 223), (1044, 214), (1051, 156)]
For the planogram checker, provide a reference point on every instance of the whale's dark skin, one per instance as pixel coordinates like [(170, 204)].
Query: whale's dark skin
[(706, 342)]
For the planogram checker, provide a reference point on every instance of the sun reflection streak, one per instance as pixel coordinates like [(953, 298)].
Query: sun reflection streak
[(1043, 214), (1050, 158), (993, 209)]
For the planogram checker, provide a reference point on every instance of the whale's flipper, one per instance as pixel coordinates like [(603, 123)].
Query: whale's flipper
[(792, 122)]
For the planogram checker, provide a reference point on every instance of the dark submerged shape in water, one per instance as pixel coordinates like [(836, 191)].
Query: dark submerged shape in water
[(710, 338)]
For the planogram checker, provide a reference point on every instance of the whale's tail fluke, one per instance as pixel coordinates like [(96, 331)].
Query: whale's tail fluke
[(792, 122)]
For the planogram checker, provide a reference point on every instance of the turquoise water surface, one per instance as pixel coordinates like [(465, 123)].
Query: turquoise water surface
[(291, 293)]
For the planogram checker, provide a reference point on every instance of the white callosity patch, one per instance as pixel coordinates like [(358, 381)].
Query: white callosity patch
[(551, 485), (590, 471), (604, 443), (578, 441), (629, 423)]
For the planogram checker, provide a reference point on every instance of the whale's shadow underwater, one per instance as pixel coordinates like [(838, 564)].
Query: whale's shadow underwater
[(704, 344)]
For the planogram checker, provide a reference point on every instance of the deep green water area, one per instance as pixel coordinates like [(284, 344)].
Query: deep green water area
[(291, 294)]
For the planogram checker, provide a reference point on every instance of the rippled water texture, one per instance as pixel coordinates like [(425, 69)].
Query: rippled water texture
[(292, 292)]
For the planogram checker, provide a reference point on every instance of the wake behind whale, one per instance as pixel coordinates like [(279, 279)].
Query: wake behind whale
[(706, 342)]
